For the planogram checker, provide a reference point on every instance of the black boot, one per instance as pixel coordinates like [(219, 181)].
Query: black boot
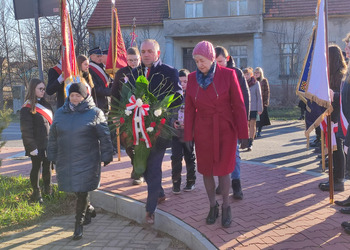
[(90, 213), (226, 217), (237, 189), (213, 214), (250, 144), (78, 231), (36, 196), (80, 214), (338, 186)]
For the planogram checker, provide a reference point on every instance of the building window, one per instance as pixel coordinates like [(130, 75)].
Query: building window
[(288, 59), (239, 54), (237, 7), (194, 9)]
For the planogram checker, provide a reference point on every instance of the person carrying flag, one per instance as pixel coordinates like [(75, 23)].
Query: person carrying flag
[(56, 83), (100, 79)]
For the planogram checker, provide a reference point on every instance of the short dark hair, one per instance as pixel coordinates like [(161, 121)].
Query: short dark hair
[(219, 50), (184, 72), (133, 51)]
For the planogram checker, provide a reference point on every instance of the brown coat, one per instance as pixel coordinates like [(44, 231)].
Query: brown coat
[(265, 91)]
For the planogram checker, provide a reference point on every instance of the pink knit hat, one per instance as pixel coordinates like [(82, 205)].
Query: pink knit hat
[(206, 49)]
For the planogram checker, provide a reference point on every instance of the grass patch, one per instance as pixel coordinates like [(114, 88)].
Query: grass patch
[(284, 113), (16, 210)]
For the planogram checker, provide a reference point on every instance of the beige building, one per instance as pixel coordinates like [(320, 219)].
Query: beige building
[(272, 34)]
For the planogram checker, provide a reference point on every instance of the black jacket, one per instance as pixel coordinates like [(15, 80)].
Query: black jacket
[(78, 142), (345, 99), (35, 129), (244, 86), (119, 81), (54, 86), (102, 92), (163, 80)]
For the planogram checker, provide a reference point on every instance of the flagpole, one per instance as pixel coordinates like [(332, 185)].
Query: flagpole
[(329, 121)]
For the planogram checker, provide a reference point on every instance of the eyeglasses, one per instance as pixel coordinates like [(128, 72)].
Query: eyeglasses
[(132, 60), (42, 89)]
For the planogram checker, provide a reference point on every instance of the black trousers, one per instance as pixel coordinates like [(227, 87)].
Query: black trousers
[(178, 151), (80, 210), (37, 163), (339, 161)]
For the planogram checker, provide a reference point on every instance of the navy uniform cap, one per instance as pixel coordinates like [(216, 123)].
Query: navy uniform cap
[(105, 52), (96, 51)]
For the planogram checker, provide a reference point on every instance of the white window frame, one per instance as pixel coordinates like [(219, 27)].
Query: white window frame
[(195, 5), (238, 4), (239, 56)]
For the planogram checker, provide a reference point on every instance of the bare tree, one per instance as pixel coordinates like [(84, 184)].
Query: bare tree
[(7, 46), (289, 37), (80, 12)]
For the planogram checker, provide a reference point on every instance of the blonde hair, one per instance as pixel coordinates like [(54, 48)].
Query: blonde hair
[(260, 70)]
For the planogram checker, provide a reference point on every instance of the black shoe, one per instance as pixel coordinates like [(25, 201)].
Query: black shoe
[(213, 214), (237, 189), (226, 218), (338, 186), (344, 203), (345, 210), (78, 231), (347, 230), (345, 224), (36, 196), (90, 213), (190, 185), (176, 187)]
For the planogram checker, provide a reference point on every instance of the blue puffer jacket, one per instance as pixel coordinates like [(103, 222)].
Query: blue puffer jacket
[(78, 142)]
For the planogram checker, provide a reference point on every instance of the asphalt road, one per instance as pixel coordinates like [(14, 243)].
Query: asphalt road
[(283, 143)]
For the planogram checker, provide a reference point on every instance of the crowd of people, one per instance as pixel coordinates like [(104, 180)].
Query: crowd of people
[(218, 99)]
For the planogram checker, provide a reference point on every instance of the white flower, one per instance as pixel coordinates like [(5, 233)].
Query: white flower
[(137, 119), (149, 129), (139, 102), (157, 112), (128, 112)]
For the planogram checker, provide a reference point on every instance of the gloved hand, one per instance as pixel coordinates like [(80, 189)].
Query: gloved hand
[(189, 145), (244, 143), (105, 163), (60, 79), (34, 152)]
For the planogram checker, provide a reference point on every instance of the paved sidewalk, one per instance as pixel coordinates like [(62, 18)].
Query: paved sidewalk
[(282, 206)]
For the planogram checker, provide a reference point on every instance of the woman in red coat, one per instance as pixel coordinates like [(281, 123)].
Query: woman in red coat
[(215, 117)]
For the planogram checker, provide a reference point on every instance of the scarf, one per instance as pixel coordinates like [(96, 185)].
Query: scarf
[(205, 81), (251, 81), (72, 107)]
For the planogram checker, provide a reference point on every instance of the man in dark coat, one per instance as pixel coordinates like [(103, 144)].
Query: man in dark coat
[(100, 79), (166, 80), (56, 84)]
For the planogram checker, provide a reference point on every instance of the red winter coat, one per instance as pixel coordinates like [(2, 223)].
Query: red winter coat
[(215, 121)]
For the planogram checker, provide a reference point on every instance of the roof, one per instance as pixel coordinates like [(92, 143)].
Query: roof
[(302, 8), (148, 12)]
